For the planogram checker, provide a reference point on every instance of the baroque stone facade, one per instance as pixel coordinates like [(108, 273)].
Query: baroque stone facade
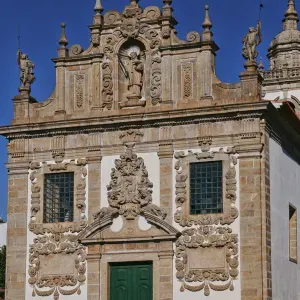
[(128, 118)]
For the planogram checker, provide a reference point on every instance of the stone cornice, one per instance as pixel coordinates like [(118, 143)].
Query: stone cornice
[(138, 120)]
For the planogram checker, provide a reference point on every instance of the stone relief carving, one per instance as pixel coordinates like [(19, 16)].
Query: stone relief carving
[(58, 148), (75, 50), (112, 17), (156, 76), (107, 90), (187, 78), (17, 148), (193, 37), (60, 247), (130, 190), (152, 13), (79, 90), (130, 137), (230, 212), (217, 247), (94, 141), (131, 20), (37, 170)]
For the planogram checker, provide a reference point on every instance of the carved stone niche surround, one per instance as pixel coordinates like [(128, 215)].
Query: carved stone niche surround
[(130, 199), (37, 171), (182, 189)]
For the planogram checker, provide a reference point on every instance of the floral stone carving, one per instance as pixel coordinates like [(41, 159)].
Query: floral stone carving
[(198, 249), (130, 190), (230, 212), (68, 253), (107, 91)]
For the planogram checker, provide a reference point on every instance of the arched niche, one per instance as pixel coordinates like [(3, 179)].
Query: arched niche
[(131, 73)]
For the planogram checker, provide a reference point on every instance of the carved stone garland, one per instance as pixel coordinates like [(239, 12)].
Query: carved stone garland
[(36, 226), (52, 245), (215, 240), (230, 211)]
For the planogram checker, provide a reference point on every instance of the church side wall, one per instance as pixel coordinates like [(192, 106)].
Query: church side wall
[(284, 178), (3, 231)]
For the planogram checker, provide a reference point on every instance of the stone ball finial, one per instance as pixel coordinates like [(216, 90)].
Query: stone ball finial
[(63, 38), (207, 22)]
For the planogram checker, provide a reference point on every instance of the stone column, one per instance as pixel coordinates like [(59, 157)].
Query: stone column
[(17, 231), (166, 170), (253, 237)]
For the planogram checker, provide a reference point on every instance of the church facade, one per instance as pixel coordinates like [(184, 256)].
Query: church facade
[(143, 176)]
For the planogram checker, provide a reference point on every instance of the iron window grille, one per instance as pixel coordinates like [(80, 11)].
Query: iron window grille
[(58, 197), (206, 188)]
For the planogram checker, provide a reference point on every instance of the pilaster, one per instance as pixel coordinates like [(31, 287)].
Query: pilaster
[(165, 155)]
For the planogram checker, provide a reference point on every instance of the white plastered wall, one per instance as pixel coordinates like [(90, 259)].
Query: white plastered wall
[(3, 234), (226, 295), (285, 189), (30, 239)]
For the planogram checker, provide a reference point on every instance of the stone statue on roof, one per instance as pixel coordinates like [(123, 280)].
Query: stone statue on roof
[(250, 42), (26, 67)]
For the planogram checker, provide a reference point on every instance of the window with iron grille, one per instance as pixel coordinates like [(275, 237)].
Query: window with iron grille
[(206, 188), (58, 197)]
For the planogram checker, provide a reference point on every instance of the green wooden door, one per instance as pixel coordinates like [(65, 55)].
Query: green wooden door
[(131, 281)]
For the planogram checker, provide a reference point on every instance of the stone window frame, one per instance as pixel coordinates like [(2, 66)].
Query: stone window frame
[(293, 258), (182, 191), (37, 170)]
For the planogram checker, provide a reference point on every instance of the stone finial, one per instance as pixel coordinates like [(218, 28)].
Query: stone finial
[(98, 7), (63, 38), (63, 42), (207, 35), (290, 20), (167, 9), (207, 22)]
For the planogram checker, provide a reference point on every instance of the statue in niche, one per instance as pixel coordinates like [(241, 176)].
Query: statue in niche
[(250, 42), (133, 69), (26, 67)]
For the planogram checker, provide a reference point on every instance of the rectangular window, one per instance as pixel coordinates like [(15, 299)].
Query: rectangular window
[(58, 197), (206, 188), (293, 243)]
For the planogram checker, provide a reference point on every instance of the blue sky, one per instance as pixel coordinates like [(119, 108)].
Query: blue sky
[(40, 31)]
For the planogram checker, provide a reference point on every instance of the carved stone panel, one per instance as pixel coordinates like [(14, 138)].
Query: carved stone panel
[(79, 86), (57, 265), (107, 81), (187, 80), (183, 160), (207, 258)]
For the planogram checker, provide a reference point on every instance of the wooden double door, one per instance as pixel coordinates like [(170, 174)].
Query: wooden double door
[(131, 281)]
